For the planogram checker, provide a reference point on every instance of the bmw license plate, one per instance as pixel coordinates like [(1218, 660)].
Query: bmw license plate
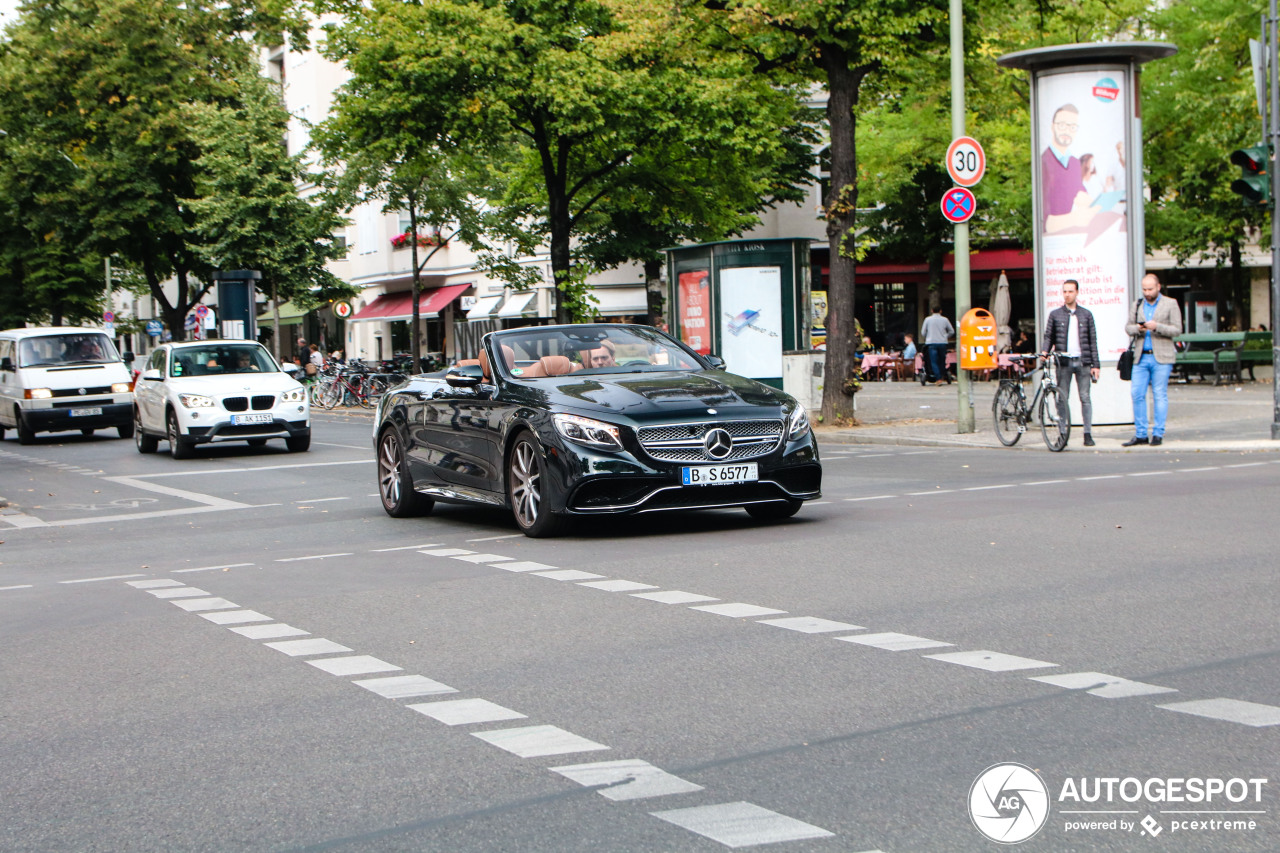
[(238, 420), (717, 475), (85, 413)]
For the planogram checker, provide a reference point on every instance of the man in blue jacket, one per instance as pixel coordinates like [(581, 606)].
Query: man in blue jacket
[(1070, 330)]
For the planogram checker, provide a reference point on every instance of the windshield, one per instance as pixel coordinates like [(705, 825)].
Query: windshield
[(216, 358), (591, 349), (69, 348)]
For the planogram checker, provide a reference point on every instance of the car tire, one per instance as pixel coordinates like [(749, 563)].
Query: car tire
[(395, 483), (525, 469), (774, 511), (298, 443), (125, 430), (179, 447), (2, 433), (144, 442), (26, 435)]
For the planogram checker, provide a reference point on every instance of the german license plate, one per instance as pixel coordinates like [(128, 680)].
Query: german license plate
[(84, 413), (719, 475), (239, 420)]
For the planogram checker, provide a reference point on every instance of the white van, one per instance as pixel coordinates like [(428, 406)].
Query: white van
[(63, 378)]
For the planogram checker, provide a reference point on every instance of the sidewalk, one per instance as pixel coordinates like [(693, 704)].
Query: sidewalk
[(1202, 417)]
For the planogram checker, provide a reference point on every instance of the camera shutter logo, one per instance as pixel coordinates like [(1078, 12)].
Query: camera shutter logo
[(1008, 803)]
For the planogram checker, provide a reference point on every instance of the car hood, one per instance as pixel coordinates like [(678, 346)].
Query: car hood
[(233, 383), (666, 394)]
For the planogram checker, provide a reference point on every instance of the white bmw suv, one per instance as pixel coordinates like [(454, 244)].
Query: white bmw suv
[(205, 391)]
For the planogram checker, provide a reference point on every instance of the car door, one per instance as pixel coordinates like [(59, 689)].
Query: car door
[(455, 436), (148, 394), (8, 382)]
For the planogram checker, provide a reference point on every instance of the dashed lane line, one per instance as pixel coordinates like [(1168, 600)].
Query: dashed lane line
[(106, 578), (214, 568), (16, 586), (312, 557)]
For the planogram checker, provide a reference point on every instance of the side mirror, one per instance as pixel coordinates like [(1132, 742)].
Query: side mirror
[(463, 378), (128, 357), (6, 363), (716, 362), (151, 374)]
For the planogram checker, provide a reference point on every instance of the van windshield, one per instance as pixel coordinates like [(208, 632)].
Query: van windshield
[(67, 349)]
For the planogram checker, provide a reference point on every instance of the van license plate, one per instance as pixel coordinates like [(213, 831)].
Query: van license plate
[(718, 475), (84, 413), (251, 419)]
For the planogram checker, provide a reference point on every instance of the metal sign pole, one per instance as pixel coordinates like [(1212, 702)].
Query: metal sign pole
[(1273, 80), (964, 391)]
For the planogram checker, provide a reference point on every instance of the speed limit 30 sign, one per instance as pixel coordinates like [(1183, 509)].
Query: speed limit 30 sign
[(966, 161)]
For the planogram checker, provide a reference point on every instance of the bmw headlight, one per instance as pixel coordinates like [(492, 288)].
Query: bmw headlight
[(586, 431), (798, 423), (296, 395), (196, 401)]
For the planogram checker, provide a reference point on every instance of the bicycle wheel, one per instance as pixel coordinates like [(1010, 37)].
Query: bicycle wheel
[(315, 390), (1055, 429), (331, 394), (1005, 410), (372, 389)]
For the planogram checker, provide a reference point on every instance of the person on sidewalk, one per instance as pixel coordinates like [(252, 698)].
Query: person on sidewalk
[(1071, 330), (1156, 321), (936, 330)]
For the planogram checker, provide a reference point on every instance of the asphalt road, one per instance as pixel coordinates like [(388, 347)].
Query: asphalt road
[(143, 709)]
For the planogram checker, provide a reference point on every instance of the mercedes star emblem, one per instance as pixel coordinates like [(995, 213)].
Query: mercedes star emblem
[(718, 443)]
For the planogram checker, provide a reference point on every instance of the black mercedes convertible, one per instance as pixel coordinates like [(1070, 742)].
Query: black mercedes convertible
[(563, 422)]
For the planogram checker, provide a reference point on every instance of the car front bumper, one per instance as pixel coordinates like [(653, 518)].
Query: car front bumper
[(278, 428), (62, 417)]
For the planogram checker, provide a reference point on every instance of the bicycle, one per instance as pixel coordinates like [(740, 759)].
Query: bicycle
[(349, 385), (1012, 413)]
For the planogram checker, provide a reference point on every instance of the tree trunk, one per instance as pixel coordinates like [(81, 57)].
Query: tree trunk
[(841, 215), (653, 293), (935, 281)]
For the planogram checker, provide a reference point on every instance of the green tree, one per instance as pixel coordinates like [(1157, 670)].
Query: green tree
[(596, 97), (248, 211)]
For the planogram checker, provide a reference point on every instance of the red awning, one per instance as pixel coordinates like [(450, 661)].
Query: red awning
[(399, 306), (986, 261)]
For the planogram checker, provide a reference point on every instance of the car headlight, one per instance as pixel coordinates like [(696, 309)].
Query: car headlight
[(586, 431), (196, 401), (121, 387), (38, 394), (798, 423), (296, 395)]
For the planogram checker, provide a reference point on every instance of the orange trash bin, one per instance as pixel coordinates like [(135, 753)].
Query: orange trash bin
[(977, 340)]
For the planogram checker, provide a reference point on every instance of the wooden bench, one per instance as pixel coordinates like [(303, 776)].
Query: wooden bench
[(1257, 350), (1220, 349)]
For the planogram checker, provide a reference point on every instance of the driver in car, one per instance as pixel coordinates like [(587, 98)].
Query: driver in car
[(603, 357), (244, 363), (89, 350)]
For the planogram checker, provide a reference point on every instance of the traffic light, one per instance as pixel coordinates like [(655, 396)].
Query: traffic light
[(1254, 182)]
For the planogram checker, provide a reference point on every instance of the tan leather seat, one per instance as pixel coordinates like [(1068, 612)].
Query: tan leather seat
[(556, 365), (508, 355)]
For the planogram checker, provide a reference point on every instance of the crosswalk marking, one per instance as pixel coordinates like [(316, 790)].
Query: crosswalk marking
[(535, 741), (741, 824), (235, 617), (737, 610), (629, 779), (1231, 710), (810, 624), (1100, 684), (891, 641), (404, 686), (178, 592), (990, 661), (268, 632), (195, 605), (674, 596), (354, 665), (312, 646), (461, 712)]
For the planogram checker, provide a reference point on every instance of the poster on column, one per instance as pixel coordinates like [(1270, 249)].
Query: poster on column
[(1081, 121), (751, 321), (694, 310)]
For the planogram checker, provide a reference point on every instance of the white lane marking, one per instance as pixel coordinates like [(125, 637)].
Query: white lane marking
[(891, 641), (1101, 684), (269, 632), (448, 552), (874, 455), (1045, 482), (674, 596), (1100, 477), (810, 624), (1148, 473), (462, 712), (817, 503), (533, 741), (1231, 710), (354, 665), (737, 610), (213, 568), (195, 605), (872, 498), (1246, 464), (312, 557), (934, 492), (618, 586), (523, 566), (629, 779), (235, 617), (991, 661), (142, 516), (321, 500), (179, 592), (184, 494), (567, 575), (1194, 470), (985, 488), (201, 473), (155, 584), (741, 824), (404, 686), (483, 558), (107, 578), (344, 446), (403, 547), (917, 453), (19, 519), (312, 646), (18, 586), (496, 538)]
